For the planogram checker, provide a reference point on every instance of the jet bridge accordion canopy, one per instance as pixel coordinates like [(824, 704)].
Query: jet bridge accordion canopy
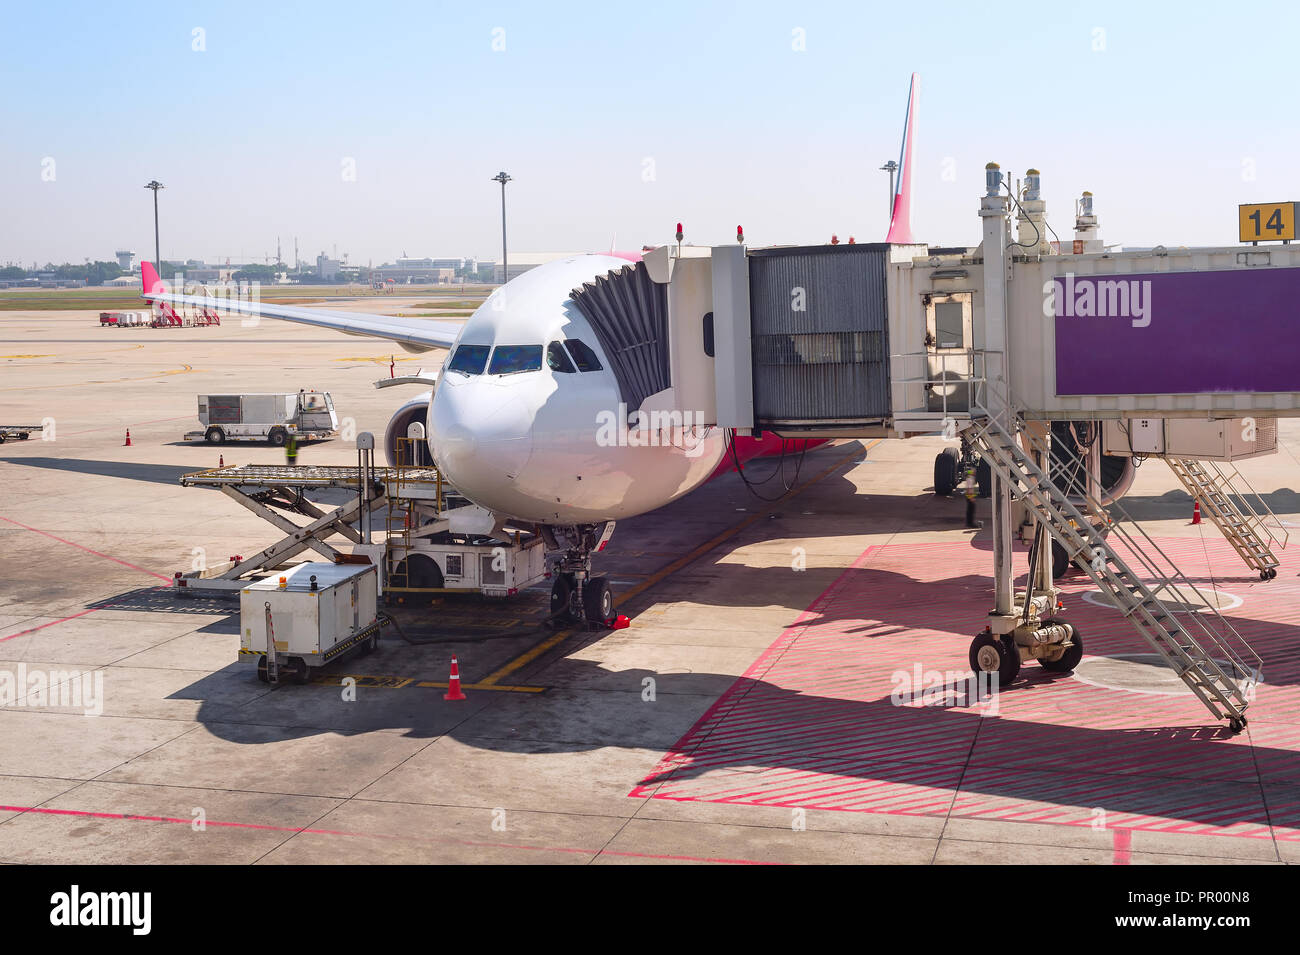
[(629, 313), (820, 327)]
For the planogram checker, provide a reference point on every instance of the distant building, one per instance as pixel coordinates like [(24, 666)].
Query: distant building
[(327, 268), (124, 260), (406, 271), (49, 280)]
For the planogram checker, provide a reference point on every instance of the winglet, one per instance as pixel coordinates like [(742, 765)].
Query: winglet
[(150, 283), (900, 224)]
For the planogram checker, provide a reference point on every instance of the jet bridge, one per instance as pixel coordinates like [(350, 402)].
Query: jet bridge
[(989, 345)]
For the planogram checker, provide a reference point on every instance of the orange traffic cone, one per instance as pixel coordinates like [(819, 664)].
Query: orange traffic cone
[(453, 691), (1196, 513), (221, 460), (128, 438)]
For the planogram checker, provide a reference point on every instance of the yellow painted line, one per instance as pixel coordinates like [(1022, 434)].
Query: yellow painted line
[(498, 687), (184, 370), (26, 356), (366, 681), (676, 565), (526, 658)]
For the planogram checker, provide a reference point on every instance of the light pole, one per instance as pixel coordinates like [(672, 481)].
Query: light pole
[(503, 178), (155, 185), (891, 167)]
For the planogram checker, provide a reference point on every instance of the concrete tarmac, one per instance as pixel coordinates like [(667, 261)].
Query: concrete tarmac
[(569, 747)]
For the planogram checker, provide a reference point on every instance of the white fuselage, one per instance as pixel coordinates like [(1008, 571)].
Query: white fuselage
[(544, 445)]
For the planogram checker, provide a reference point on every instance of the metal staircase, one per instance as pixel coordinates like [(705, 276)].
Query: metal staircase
[(1246, 529), (1219, 668)]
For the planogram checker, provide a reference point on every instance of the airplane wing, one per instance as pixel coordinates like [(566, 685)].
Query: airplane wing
[(412, 334)]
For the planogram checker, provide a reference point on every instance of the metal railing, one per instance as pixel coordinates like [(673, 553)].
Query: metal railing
[(1157, 567)]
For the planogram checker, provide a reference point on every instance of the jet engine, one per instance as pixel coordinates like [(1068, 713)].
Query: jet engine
[(1080, 437), (399, 446)]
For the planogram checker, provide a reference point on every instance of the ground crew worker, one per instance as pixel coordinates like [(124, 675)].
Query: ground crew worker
[(970, 487), (291, 450)]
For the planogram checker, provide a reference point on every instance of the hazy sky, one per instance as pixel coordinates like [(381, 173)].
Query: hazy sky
[(619, 119)]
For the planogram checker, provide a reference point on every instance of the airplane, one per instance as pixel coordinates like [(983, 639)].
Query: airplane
[(511, 419)]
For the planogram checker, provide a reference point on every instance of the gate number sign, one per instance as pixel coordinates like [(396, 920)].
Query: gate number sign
[(1267, 221)]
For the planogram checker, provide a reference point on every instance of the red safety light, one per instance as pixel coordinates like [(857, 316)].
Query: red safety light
[(679, 232), (835, 240), (852, 241), (740, 233)]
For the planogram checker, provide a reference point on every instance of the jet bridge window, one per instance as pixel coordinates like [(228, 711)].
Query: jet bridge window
[(512, 359), (583, 356), (469, 359), (557, 359)]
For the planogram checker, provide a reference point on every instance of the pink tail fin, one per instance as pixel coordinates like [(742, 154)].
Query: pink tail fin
[(150, 281), (900, 224)]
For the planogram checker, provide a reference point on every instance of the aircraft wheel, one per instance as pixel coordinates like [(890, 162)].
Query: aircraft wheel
[(598, 600), (1072, 655), (945, 472), (215, 436), (561, 594), (990, 654)]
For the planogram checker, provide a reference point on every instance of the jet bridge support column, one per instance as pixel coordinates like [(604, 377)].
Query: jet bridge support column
[(1021, 626), (996, 402)]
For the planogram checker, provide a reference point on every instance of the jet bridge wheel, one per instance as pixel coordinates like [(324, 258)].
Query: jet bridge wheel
[(1060, 561), (1268, 573), (1072, 655), (1237, 724), (990, 654), (945, 471)]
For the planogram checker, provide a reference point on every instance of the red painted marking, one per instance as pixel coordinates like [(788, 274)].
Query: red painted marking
[(83, 547), (173, 820), (1123, 846), (53, 622), (812, 724)]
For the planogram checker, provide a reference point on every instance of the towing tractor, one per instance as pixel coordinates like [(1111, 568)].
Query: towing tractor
[(307, 415)]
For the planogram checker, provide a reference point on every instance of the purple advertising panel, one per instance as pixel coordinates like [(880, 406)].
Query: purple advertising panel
[(1175, 333)]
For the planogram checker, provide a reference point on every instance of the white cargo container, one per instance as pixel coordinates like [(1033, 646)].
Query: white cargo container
[(308, 616), (307, 415)]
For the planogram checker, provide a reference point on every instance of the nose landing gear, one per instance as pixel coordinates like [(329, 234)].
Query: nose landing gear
[(577, 597)]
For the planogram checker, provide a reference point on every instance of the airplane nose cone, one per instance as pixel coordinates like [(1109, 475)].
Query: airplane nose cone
[(482, 436)]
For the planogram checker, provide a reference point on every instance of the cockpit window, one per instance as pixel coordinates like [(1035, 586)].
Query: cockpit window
[(583, 356), (512, 359), (469, 359), (558, 360)]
